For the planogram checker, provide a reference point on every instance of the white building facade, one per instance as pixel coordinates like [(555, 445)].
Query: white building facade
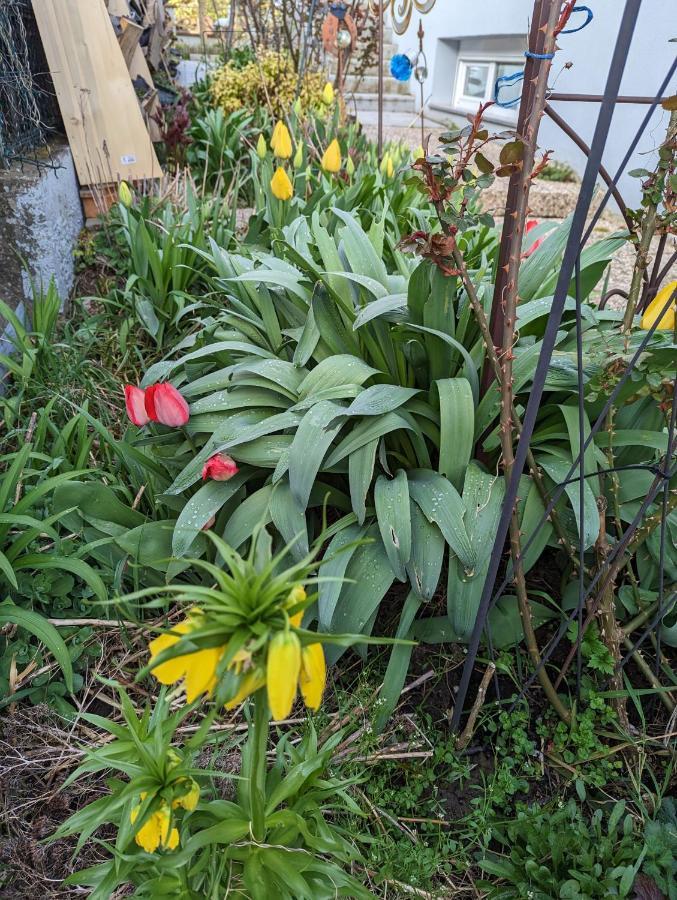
[(471, 43)]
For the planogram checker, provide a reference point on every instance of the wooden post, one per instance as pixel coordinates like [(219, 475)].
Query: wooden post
[(381, 14)]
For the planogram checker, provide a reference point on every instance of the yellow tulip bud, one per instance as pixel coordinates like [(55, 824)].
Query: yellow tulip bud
[(281, 141), (419, 153), (350, 166), (261, 149), (328, 94), (654, 309), (282, 673), (313, 675), (384, 164), (298, 157), (281, 186), (331, 161), (125, 195), (390, 169)]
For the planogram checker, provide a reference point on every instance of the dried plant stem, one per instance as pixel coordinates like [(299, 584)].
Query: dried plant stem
[(467, 733)]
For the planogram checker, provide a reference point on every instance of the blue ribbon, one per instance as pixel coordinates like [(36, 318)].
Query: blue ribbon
[(588, 19), (528, 53), (505, 80)]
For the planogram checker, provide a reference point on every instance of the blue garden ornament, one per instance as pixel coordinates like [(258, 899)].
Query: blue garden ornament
[(401, 67)]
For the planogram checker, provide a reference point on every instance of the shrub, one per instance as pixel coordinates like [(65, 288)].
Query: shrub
[(270, 81)]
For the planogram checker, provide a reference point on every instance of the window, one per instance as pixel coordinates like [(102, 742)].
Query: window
[(476, 79)]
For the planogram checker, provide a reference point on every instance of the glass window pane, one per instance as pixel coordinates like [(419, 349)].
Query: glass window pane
[(509, 91), (475, 81)]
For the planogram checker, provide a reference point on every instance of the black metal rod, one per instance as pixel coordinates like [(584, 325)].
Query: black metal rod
[(623, 42), (598, 98)]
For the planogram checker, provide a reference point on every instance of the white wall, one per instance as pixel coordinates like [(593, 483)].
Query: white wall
[(590, 51)]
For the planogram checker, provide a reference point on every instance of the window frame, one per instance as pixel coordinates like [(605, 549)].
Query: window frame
[(462, 101)]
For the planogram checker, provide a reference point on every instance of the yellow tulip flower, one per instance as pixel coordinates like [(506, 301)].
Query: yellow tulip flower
[(331, 161), (654, 309), (156, 831), (313, 675), (282, 673), (328, 94), (261, 149), (281, 141), (125, 194), (281, 186)]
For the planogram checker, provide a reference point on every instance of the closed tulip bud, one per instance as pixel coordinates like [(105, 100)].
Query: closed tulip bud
[(419, 153), (125, 195), (313, 675), (261, 149), (655, 308), (282, 673), (135, 403), (350, 166), (298, 157), (164, 404), (219, 467), (297, 107), (331, 161), (328, 94), (281, 141), (281, 186)]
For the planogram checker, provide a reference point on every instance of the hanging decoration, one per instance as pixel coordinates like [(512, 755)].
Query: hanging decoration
[(401, 11), (401, 67), (339, 31)]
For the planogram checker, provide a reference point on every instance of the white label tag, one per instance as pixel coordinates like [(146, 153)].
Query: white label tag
[(128, 160)]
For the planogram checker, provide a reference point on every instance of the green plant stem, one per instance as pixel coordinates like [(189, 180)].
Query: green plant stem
[(257, 739)]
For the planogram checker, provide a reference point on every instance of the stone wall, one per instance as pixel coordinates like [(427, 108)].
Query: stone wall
[(40, 220)]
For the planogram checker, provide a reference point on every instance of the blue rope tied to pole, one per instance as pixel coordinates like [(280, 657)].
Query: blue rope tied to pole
[(539, 55), (507, 81), (588, 19)]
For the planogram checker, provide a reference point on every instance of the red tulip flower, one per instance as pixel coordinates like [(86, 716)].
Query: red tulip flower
[(158, 403), (135, 401), (531, 224), (219, 467)]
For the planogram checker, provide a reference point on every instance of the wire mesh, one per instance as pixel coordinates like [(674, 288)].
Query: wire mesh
[(28, 107), (590, 589)]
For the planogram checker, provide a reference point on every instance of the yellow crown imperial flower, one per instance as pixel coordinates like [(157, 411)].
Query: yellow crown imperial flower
[(261, 149), (125, 194), (655, 308), (156, 831), (328, 94), (281, 141), (198, 669), (331, 161), (281, 186), (313, 675), (250, 683), (298, 157), (282, 673), (189, 799)]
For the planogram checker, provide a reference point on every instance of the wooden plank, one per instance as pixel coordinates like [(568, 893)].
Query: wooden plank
[(100, 110), (129, 40)]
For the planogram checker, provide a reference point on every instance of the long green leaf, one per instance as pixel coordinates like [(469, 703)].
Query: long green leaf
[(44, 631)]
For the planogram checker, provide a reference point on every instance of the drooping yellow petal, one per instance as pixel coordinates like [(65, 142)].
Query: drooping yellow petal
[(313, 675), (155, 831), (189, 800), (331, 161), (173, 669), (201, 671), (250, 684), (282, 673), (654, 309), (281, 141), (281, 186)]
